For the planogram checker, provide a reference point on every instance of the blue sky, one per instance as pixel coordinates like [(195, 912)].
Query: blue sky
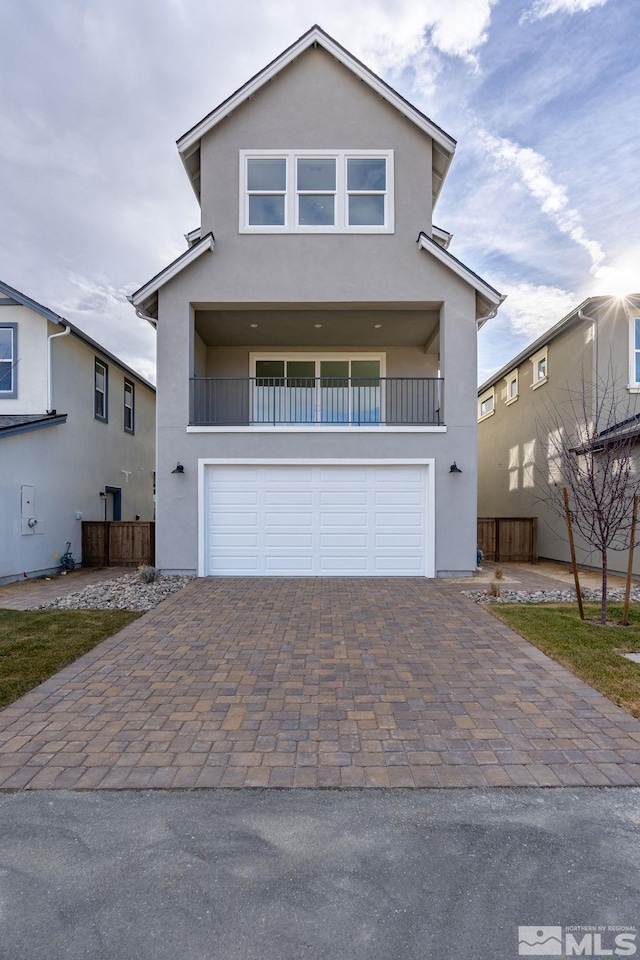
[(542, 96)]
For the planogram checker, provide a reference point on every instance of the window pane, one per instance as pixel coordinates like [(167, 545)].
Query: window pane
[(267, 174), (316, 174), (637, 367), (542, 369), (316, 211), (637, 323), (266, 211), (270, 369), (99, 404), (6, 382), (336, 370), (368, 370), (366, 174), (301, 373), (366, 211), (6, 343), (100, 379)]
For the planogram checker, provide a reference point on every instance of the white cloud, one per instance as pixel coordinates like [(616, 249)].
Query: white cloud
[(533, 170), (545, 8), (531, 309)]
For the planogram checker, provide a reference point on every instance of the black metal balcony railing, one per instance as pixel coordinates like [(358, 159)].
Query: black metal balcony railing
[(231, 401)]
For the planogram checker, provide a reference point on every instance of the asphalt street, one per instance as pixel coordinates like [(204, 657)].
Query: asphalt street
[(311, 875)]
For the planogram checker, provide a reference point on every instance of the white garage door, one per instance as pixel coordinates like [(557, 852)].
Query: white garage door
[(315, 521)]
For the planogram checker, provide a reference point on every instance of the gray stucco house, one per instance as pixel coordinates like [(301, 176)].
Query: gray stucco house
[(591, 355), (77, 437), (316, 341)]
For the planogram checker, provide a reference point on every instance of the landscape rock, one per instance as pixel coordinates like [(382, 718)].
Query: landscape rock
[(128, 592)]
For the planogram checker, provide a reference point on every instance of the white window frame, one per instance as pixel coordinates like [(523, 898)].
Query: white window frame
[(104, 417), (487, 395), (512, 378), (341, 224), (318, 357), (132, 406), (634, 385), (537, 381), (11, 362)]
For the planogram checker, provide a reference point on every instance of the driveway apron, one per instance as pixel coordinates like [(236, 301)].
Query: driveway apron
[(240, 682)]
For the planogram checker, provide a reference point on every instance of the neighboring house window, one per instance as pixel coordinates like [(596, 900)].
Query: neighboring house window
[(486, 405), (8, 361), (540, 366), (635, 352), (100, 391), (129, 397), (512, 387), (321, 191)]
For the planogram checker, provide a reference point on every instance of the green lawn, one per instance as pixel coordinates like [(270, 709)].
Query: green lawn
[(587, 649), (35, 644)]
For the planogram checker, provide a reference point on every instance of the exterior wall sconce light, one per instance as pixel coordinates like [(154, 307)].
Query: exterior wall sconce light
[(103, 494), (454, 468), (179, 468)]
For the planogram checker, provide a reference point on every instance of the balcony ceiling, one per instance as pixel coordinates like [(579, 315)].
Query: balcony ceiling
[(308, 327)]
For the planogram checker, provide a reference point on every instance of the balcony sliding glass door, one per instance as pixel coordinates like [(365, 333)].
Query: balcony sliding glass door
[(337, 391)]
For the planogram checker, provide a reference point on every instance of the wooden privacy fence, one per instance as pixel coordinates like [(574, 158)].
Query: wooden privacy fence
[(118, 543), (506, 539)]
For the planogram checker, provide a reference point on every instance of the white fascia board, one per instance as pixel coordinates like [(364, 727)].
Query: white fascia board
[(456, 266), (314, 36), (140, 296)]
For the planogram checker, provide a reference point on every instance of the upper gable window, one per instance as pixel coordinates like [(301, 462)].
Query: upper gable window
[(322, 191), (486, 404), (129, 401), (512, 387), (8, 361)]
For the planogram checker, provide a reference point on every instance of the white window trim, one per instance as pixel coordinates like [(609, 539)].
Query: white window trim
[(512, 376), (541, 355), (11, 362), (634, 385), (132, 394), (291, 194), (487, 395)]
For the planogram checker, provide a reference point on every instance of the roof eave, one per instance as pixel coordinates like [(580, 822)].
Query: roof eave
[(567, 321), (488, 299), (145, 299)]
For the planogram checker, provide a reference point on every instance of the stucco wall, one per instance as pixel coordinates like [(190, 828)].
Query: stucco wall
[(514, 472), (69, 464), (31, 365), (316, 104)]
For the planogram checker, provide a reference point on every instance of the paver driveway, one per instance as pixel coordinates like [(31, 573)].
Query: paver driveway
[(316, 682)]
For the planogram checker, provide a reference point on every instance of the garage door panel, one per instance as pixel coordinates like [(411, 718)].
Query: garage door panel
[(347, 540), (288, 497), (228, 519), (343, 497), (288, 540), (398, 498), (315, 521), (289, 566)]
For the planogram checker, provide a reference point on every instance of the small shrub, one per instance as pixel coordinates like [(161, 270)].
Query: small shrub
[(494, 589), (149, 574), (499, 573)]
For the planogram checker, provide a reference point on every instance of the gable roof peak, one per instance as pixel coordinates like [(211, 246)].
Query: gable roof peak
[(443, 144)]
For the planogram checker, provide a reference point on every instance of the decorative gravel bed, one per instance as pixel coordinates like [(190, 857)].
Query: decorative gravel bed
[(549, 596), (129, 592)]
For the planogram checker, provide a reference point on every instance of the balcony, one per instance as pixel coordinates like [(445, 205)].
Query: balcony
[(323, 401)]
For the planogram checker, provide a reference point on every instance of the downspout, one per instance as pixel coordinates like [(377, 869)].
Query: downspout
[(596, 360), (65, 333)]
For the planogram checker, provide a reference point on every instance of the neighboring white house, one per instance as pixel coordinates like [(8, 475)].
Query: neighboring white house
[(77, 437), (317, 360)]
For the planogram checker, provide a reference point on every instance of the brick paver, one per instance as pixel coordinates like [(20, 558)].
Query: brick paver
[(316, 682), (26, 594)]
